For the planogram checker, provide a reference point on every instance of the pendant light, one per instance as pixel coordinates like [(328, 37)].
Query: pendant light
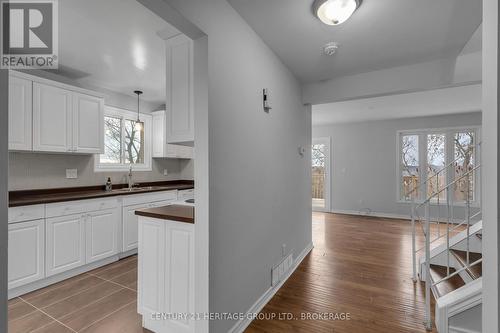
[(138, 123)]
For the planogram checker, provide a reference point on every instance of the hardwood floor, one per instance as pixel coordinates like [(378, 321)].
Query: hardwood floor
[(101, 301), (360, 266)]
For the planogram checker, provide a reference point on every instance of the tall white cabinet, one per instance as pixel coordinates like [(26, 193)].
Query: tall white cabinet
[(180, 96), (47, 116)]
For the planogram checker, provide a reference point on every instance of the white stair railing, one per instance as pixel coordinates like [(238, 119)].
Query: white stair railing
[(465, 179)]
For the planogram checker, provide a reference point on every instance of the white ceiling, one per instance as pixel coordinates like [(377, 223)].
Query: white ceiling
[(380, 34), (114, 44), (453, 100)]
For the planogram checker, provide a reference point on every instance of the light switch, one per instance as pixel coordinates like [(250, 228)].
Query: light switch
[(71, 173)]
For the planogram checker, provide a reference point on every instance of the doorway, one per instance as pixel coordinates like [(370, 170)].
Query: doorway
[(320, 158)]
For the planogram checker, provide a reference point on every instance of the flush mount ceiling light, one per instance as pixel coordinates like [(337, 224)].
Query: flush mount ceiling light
[(334, 12)]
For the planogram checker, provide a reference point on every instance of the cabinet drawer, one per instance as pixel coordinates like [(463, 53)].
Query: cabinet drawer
[(139, 199), (26, 213), (77, 207)]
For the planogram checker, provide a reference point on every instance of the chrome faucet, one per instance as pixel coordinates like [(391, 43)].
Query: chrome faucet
[(130, 181)]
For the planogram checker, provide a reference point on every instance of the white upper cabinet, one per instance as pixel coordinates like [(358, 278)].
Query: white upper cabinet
[(20, 113), (48, 116), (180, 108), (162, 149), (88, 124), (52, 118)]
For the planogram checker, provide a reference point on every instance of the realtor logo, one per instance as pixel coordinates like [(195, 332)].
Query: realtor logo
[(29, 36)]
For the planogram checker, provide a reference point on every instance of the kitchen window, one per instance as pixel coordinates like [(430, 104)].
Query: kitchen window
[(427, 153), (124, 144)]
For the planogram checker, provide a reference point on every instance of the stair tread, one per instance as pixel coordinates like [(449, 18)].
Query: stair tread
[(476, 271), (439, 272)]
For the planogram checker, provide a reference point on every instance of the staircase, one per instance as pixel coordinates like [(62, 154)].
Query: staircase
[(450, 261)]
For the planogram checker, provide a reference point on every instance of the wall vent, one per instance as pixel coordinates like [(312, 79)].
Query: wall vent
[(279, 271)]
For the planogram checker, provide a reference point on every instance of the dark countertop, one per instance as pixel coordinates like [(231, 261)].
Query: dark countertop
[(179, 213), (43, 196)]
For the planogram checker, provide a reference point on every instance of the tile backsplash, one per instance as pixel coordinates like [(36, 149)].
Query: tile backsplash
[(37, 171)]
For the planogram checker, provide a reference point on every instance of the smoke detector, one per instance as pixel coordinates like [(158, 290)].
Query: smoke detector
[(330, 48)]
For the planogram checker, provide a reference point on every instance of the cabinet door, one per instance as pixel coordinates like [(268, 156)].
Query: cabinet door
[(52, 118), (151, 267), (179, 275), (102, 234), (180, 122), (130, 227), (26, 252), (20, 113), (88, 124), (159, 135), (65, 243)]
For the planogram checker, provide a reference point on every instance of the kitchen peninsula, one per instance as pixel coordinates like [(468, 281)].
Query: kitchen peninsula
[(166, 268)]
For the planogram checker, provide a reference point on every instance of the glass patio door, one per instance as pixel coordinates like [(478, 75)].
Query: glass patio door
[(320, 157)]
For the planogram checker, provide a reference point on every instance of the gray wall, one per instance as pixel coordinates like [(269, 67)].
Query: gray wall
[(36, 170), (364, 161), (259, 186), (4, 90)]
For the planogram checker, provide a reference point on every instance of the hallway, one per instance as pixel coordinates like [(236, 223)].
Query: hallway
[(360, 267)]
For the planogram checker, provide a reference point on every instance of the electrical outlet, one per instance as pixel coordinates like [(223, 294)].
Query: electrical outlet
[(165, 172), (71, 173)]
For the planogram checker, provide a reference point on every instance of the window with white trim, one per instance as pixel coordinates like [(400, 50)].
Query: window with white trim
[(125, 144), (442, 156)]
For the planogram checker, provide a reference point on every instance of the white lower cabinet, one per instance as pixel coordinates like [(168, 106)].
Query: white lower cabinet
[(46, 240), (26, 252), (130, 227), (166, 274), (101, 234), (65, 243)]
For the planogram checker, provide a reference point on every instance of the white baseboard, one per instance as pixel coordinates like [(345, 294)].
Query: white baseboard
[(374, 214), (460, 330), (242, 324), (21, 290)]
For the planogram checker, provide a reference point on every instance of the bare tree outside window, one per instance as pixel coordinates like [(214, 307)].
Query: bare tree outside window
[(134, 143), (409, 163), (464, 154), (112, 141), (123, 142), (436, 161)]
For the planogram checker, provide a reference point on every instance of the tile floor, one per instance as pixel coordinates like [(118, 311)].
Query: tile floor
[(103, 300)]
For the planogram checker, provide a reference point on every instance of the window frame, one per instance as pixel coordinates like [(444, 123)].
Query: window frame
[(449, 133), (123, 114)]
